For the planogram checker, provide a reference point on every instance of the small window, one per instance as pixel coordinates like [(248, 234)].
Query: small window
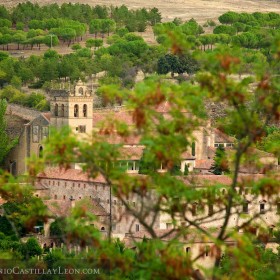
[(245, 207), (80, 197), (168, 225), (188, 250), (278, 207), (207, 251), (64, 197), (76, 111), (40, 152), (193, 149), (115, 202), (85, 110), (56, 110), (262, 208), (102, 228), (194, 209), (82, 129), (210, 209), (62, 110), (134, 204), (65, 184), (137, 227)]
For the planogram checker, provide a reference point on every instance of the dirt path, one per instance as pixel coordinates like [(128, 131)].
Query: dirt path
[(201, 10)]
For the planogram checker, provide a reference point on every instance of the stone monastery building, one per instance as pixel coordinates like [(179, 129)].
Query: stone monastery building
[(61, 189)]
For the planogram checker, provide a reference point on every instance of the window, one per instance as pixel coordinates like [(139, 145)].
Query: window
[(35, 133), (216, 145), (207, 251), (168, 225), (85, 110), (262, 207), (55, 197), (103, 228), (210, 209), (137, 227), (130, 165), (115, 202), (76, 111), (193, 149), (81, 91), (40, 152), (56, 110), (45, 132), (278, 207), (62, 110), (188, 250), (194, 208), (245, 207), (82, 129), (108, 201)]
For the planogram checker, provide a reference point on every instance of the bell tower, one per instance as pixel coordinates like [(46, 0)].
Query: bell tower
[(72, 108)]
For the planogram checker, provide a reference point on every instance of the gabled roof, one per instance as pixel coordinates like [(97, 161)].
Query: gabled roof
[(221, 137), (62, 208), (69, 174)]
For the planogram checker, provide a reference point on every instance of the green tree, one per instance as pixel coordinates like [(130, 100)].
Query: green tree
[(6, 144), (220, 164), (31, 248)]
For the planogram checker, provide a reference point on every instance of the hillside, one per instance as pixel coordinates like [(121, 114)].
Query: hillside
[(185, 9)]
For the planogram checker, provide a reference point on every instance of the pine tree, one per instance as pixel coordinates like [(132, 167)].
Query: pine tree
[(220, 164)]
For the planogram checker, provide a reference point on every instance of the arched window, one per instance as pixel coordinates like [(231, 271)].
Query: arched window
[(103, 228), (76, 111), (56, 110), (81, 91), (85, 110), (193, 149), (40, 152), (188, 250), (62, 110), (207, 251)]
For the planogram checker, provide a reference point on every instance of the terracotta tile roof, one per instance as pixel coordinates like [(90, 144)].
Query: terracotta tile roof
[(203, 164), (187, 155), (120, 115), (130, 140), (69, 174), (191, 237), (131, 153), (221, 137), (62, 208), (59, 208), (47, 116), (202, 179)]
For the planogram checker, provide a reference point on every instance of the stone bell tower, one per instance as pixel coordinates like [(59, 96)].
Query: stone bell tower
[(72, 108)]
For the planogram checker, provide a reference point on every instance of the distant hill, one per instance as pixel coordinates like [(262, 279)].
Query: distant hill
[(201, 10)]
